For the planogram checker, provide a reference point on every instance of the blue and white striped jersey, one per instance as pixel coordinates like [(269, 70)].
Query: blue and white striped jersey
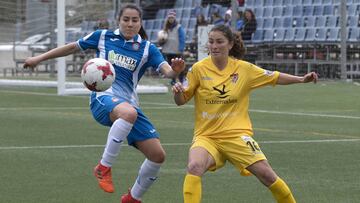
[(130, 59)]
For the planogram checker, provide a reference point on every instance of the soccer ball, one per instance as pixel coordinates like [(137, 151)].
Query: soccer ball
[(98, 74), (162, 36)]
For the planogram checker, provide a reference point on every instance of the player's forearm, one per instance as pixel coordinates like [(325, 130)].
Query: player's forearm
[(286, 79), (59, 52), (168, 72)]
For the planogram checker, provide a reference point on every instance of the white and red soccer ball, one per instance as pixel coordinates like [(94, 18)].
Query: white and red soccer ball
[(98, 74), (162, 35)]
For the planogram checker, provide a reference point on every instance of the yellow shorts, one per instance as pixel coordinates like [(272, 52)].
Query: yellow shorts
[(241, 151)]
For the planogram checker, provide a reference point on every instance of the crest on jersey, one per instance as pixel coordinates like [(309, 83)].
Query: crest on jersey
[(234, 77), (136, 46)]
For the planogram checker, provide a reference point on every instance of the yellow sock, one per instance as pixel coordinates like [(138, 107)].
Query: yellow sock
[(192, 189), (281, 192)]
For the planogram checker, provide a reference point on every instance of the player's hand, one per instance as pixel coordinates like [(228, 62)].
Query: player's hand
[(310, 77), (178, 88), (31, 62), (178, 65)]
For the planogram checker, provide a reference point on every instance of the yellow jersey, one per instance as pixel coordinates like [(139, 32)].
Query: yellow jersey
[(222, 96)]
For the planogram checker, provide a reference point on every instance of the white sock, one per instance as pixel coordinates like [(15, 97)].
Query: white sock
[(147, 175), (117, 134)]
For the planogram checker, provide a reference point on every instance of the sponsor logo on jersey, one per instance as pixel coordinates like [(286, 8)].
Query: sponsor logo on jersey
[(206, 78), (113, 39), (206, 115), (222, 92), (122, 61), (218, 101), (268, 72)]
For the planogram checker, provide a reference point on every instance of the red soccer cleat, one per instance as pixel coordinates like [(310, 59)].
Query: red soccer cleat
[(103, 175), (127, 198)]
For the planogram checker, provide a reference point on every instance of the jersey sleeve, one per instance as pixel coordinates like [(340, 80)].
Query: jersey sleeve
[(259, 77), (191, 83), (156, 59), (182, 37), (90, 41)]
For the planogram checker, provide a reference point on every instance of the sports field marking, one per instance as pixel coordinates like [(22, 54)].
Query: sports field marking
[(40, 93), (186, 106), (192, 106), (175, 144), (41, 108), (304, 114), (272, 112)]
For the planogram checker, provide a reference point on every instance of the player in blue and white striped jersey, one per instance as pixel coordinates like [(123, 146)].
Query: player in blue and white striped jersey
[(131, 54)]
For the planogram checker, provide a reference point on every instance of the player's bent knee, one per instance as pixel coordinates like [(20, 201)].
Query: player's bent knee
[(124, 111), (196, 168), (158, 157), (267, 177)]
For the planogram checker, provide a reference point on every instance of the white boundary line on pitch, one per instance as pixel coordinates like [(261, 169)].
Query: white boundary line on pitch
[(272, 112), (177, 144), (186, 106), (173, 106)]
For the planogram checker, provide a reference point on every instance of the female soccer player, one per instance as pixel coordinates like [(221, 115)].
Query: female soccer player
[(118, 106), (221, 84)]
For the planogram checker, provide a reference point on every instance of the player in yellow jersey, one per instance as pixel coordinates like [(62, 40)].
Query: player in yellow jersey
[(221, 85)]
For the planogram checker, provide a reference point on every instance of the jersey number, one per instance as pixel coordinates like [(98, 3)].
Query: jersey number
[(253, 145)]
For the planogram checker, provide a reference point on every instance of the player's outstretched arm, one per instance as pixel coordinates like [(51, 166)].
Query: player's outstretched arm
[(65, 50), (177, 66), (178, 90), (286, 79)]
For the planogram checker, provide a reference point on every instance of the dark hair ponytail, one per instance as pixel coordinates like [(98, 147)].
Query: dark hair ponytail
[(142, 32), (238, 50)]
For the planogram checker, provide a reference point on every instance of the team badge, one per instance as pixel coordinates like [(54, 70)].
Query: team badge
[(234, 77), (136, 46)]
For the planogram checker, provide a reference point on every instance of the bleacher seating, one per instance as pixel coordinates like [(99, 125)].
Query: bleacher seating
[(279, 35), (310, 19), (258, 36), (268, 23), (354, 33), (290, 21), (185, 13), (289, 35), (277, 11), (310, 34), (300, 34), (268, 35)]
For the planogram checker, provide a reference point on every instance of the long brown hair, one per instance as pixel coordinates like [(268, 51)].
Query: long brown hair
[(142, 32), (168, 26), (238, 50)]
